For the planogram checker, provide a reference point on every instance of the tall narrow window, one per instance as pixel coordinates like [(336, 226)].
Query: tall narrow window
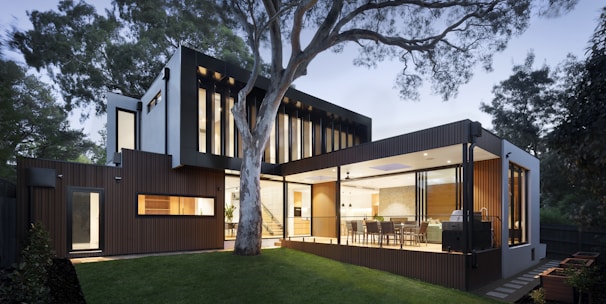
[(270, 149), (283, 138), (295, 138), (318, 141), (126, 130), (202, 120), (307, 138), (216, 143), (85, 218), (517, 222), (329, 139), (230, 129), (336, 139)]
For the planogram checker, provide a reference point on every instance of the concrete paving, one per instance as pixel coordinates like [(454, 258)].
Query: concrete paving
[(517, 286)]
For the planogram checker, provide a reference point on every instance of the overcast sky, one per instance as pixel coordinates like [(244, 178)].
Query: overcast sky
[(334, 78)]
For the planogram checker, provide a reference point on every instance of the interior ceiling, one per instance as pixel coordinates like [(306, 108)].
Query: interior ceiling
[(382, 170)]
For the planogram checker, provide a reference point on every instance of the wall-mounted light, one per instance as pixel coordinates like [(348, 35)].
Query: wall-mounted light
[(60, 176), (349, 204), (118, 179), (507, 155)]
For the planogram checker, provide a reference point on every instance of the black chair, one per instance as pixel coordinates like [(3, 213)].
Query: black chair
[(372, 229), (387, 229)]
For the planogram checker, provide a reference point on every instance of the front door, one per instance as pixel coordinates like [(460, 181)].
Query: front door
[(85, 219)]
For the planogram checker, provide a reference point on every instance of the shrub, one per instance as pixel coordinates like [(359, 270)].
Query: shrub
[(538, 296), (28, 281)]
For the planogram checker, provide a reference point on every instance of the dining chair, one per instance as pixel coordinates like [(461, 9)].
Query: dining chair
[(422, 234), (358, 229), (350, 230), (387, 229), (372, 229)]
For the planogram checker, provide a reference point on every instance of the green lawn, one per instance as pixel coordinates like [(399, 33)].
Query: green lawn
[(277, 276)]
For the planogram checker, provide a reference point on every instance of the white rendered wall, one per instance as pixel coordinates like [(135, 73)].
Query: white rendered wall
[(518, 258)]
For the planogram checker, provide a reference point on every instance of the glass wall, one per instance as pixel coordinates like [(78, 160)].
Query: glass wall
[(299, 210), (272, 204)]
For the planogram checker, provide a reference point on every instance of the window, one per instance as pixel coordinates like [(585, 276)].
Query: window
[(295, 138), (283, 137), (202, 120), (154, 102), (517, 221), (175, 205), (85, 218), (307, 138), (217, 110), (125, 130)]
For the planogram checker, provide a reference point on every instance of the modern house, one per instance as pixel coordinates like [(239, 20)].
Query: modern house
[(173, 162)]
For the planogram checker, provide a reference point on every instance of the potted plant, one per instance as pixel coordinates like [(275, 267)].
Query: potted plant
[(576, 263), (229, 215), (555, 285)]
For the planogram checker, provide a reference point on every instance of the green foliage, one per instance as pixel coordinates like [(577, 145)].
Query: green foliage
[(553, 216), (589, 281), (560, 117), (28, 281), (276, 276), (88, 54), (538, 296), (524, 106), (579, 136), (33, 124), (229, 212)]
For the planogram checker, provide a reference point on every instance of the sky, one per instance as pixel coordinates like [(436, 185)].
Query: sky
[(371, 92)]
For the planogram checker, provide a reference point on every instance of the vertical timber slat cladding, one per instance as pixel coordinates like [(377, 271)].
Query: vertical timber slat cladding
[(487, 194), (125, 232), (441, 268)]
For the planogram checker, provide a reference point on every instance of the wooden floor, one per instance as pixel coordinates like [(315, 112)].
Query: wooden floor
[(429, 247)]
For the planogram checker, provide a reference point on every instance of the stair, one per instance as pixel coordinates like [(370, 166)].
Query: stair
[(271, 226)]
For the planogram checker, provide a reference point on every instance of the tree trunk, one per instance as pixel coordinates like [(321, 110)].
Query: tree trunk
[(248, 239)]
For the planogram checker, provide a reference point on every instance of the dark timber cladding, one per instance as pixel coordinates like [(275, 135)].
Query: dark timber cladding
[(440, 268), (125, 232), (437, 137)]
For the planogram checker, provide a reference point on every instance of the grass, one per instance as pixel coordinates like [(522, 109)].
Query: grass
[(276, 276)]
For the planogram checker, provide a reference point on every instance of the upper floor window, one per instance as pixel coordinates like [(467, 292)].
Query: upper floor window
[(154, 102), (125, 130)]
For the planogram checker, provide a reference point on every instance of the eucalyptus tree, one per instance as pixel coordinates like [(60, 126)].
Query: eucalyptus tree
[(439, 41)]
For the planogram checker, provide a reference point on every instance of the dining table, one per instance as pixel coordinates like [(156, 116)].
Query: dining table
[(407, 233)]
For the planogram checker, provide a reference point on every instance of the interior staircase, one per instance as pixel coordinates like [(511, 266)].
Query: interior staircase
[(271, 225)]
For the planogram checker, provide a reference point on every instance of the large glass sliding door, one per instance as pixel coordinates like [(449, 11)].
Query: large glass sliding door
[(85, 219)]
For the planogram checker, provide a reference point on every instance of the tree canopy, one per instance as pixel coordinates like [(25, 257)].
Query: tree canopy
[(579, 135), (33, 124), (560, 117), (88, 54), (524, 106)]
